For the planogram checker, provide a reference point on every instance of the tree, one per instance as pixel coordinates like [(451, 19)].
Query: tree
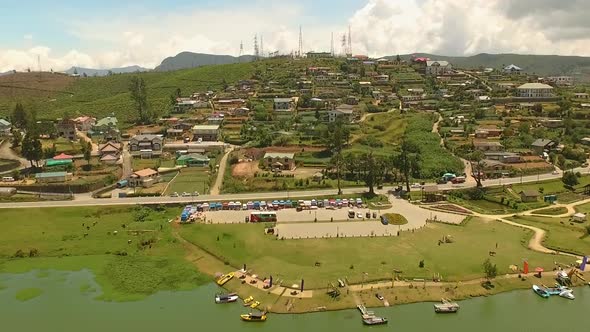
[(476, 159), (490, 270), (372, 170), (31, 148), (337, 137), (408, 161), (570, 179), (178, 93), (138, 91), (398, 59), (20, 118), (317, 114), (17, 137), (88, 152)]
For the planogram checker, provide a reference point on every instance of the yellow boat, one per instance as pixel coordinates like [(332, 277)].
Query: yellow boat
[(225, 278), (255, 304), (248, 300), (260, 317)]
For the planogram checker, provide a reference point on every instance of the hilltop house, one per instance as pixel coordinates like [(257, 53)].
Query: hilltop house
[(146, 145), (144, 178), (107, 128), (438, 68), (561, 80), (5, 127), (343, 111), (206, 133), (279, 160), (283, 105), (527, 196), (84, 123), (534, 90), (67, 128), (512, 69)]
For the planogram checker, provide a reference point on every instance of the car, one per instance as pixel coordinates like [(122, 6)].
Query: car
[(556, 172), (174, 194), (359, 215), (196, 193), (185, 194), (379, 297), (416, 185), (585, 165)]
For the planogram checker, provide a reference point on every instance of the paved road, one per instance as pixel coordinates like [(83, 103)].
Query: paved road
[(7, 153), (220, 173)]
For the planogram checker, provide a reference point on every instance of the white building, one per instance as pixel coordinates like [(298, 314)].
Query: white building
[(345, 112), (561, 80), (534, 90), (438, 67), (512, 69)]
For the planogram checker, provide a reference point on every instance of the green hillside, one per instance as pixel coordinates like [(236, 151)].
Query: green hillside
[(50, 95)]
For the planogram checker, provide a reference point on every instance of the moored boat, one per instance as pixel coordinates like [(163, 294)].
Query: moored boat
[(254, 304), (248, 300), (542, 292), (225, 278), (446, 306), (254, 317), (226, 298), (374, 320), (567, 293)]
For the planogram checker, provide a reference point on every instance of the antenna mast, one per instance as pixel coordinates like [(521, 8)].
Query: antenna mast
[(241, 51), (256, 50), (332, 45), (261, 46), (300, 42), (349, 41)]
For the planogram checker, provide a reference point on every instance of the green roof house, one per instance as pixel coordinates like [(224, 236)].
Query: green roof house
[(193, 160)]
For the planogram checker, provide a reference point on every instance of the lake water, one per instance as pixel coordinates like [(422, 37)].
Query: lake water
[(67, 304)]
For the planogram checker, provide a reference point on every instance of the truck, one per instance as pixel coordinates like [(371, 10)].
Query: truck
[(458, 179)]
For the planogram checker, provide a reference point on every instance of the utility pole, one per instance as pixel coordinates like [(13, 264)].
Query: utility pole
[(256, 50), (241, 51), (349, 41), (300, 42), (261, 47), (332, 45)]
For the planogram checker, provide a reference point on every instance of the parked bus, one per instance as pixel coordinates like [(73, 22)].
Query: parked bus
[(263, 216)]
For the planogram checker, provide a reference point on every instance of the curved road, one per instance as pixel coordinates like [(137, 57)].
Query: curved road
[(220, 173)]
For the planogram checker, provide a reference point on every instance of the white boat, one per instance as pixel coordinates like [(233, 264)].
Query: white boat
[(226, 298), (567, 293), (446, 307)]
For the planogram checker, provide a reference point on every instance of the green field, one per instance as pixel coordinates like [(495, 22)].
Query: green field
[(553, 211), (153, 163), (555, 186), (562, 234), (291, 260), (54, 238), (190, 180)]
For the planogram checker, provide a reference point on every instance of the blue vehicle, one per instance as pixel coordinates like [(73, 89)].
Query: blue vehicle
[(384, 220)]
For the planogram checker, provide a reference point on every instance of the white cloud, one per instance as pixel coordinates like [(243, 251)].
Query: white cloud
[(28, 36), (380, 27)]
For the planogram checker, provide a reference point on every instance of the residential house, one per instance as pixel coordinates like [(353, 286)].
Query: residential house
[(561, 80), (438, 68), (488, 132), (110, 152), (107, 128), (381, 79), (542, 145), (215, 119), (352, 100), (84, 123), (505, 86), (512, 69), (184, 104), (5, 127), (279, 160), (343, 111), (528, 196), (534, 90), (146, 145), (488, 146), (503, 157), (581, 95), (144, 178), (67, 128), (283, 105), (193, 160), (207, 133), (53, 177), (552, 123), (585, 141)]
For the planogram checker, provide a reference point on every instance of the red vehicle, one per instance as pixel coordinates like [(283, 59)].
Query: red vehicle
[(263, 216), (458, 179)]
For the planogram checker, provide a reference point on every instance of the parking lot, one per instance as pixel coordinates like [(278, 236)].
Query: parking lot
[(321, 222)]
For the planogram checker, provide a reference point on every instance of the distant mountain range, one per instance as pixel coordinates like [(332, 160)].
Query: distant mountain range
[(185, 60), (105, 72), (539, 64)]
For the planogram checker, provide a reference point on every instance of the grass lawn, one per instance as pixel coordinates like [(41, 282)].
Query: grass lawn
[(553, 211), (189, 180), (291, 260), (584, 208), (153, 163), (561, 233), (555, 186), (62, 145), (125, 270), (26, 294)]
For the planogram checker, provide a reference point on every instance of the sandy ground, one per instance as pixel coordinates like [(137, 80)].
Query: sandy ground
[(245, 169), (300, 225)]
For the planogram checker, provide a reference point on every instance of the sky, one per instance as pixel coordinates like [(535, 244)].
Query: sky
[(107, 34)]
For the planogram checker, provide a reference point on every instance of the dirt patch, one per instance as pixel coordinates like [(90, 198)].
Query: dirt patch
[(151, 129), (303, 172), (245, 169), (294, 148)]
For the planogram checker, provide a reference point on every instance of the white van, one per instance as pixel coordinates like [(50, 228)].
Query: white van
[(7, 179)]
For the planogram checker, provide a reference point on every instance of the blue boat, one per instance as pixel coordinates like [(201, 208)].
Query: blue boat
[(541, 291)]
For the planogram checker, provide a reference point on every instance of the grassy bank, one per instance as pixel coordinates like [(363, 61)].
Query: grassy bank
[(351, 257), (141, 258)]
